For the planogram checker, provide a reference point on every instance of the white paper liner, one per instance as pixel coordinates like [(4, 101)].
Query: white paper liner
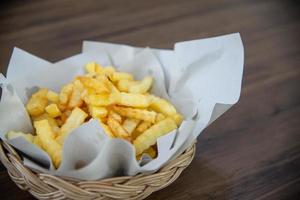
[(202, 78)]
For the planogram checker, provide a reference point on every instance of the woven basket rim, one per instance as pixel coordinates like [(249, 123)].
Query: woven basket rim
[(46, 186)]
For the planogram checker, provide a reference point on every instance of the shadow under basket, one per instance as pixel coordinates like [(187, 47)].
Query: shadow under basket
[(45, 186)]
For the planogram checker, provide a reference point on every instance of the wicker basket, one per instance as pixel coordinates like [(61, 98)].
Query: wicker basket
[(45, 186)]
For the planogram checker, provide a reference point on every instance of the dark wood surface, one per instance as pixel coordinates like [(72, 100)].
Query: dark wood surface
[(251, 152)]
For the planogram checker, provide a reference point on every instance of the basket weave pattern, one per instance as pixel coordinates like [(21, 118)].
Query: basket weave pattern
[(45, 186)]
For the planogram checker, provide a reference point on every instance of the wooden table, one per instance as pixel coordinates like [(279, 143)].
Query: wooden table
[(251, 152)]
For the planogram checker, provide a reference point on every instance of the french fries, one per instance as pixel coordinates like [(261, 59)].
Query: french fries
[(94, 84), (52, 96), (121, 76), (98, 99), (53, 110), (117, 129), (141, 87), (37, 103), (136, 113), (76, 118), (151, 151), (130, 124), (149, 137), (75, 97), (121, 104), (48, 142), (128, 99), (65, 94)]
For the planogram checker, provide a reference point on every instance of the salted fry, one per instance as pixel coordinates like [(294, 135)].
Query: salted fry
[(37, 103), (162, 106), (143, 126), (124, 85), (37, 141), (121, 76), (76, 118), (107, 130), (117, 129), (52, 96), (53, 110), (115, 116), (75, 98), (108, 83), (92, 67), (127, 99), (98, 100), (107, 71), (151, 151), (97, 111), (130, 124), (159, 117), (142, 86), (149, 137), (49, 144), (65, 93), (98, 86), (177, 118), (62, 107), (136, 113)]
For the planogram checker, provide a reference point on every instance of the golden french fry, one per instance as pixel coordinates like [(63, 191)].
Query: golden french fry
[(62, 107), (92, 67), (14, 134), (120, 76), (97, 111), (115, 116), (37, 103), (159, 117), (127, 99), (92, 83), (64, 116), (124, 85), (177, 118), (151, 151), (76, 118), (162, 106), (130, 124), (52, 122), (98, 100), (37, 141), (107, 71), (107, 82), (75, 98), (52, 96), (46, 138), (107, 130), (117, 129), (142, 86), (65, 93), (40, 117), (54, 126), (136, 113), (53, 110), (149, 137), (143, 126)]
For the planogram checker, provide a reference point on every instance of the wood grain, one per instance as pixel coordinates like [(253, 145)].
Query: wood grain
[(251, 152)]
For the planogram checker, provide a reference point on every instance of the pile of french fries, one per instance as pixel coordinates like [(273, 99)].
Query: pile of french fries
[(122, 105)]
